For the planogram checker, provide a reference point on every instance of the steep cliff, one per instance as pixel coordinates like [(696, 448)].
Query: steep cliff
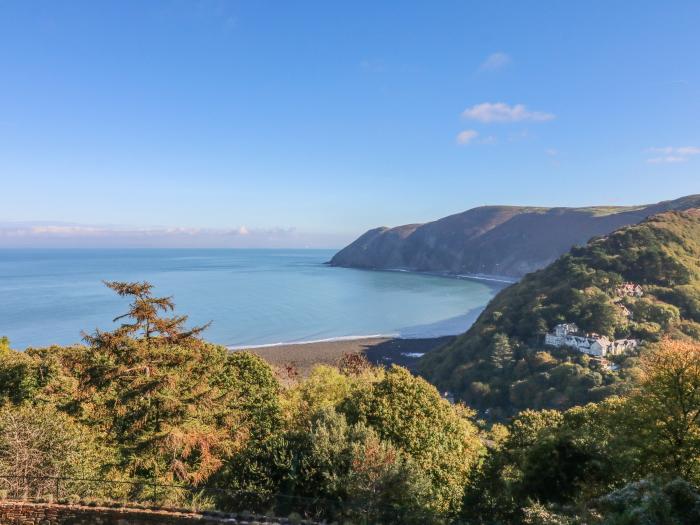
[(494, 240)]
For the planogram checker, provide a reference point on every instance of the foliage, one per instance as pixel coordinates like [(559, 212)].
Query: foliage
[(146, 323), (154, 387), (408, 412), (37, 443), (174, 407), (362, 442), (665, 410), (152, 402), (499, 365), (560, 464), (18, 377), (648, 501), (347, 470)]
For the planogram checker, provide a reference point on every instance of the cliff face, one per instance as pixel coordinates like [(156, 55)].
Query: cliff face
[(494, 240)]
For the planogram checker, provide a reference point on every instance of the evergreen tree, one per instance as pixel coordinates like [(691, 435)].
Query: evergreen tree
[(155, 387), (501, 352)]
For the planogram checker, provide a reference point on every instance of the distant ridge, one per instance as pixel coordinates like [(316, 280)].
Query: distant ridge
[(507, 241)]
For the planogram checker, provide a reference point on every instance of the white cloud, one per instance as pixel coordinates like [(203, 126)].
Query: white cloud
[(668, 159), (56, 234), (494, 62), (64, 230), (672, 155), (682, 150), (466, 136), (489, 112)]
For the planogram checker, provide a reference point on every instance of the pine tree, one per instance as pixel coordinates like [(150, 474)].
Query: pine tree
[(154, 385), (501, 352)]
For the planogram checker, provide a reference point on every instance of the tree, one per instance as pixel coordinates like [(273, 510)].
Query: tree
[(155, 389), (342, 471), (440, 438), (496, 492), (19, 380), (4, 345), (146, 323), (39, 443), (385, 486), (647, 501), (258, 468), (665, 410), (501, 352)]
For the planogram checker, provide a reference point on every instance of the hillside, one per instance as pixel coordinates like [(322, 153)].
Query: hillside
[(501, 363), (496, 240)]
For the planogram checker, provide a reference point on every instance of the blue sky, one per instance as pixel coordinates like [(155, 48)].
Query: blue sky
[(305, 123)]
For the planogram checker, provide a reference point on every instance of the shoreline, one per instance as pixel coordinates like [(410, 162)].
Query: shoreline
[(378, 350), (315, 341), (503, 279)]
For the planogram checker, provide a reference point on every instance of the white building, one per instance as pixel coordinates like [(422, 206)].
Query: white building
[(561, 332), (567, 334)]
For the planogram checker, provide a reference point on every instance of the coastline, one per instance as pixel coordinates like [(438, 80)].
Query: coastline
[(501, 279), (378, 350), (315, 341), (402, 349)]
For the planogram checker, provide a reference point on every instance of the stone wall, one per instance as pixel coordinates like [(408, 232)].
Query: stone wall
[(26, 513)]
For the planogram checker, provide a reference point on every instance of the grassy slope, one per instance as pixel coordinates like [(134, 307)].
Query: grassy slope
[(501, 364)]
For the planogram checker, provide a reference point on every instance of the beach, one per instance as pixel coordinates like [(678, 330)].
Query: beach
[(379, 350)]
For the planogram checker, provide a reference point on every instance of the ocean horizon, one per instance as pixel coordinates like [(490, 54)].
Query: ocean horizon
[(253, 297)]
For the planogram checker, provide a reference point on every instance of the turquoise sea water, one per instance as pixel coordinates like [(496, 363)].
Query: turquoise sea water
[(252, 297)]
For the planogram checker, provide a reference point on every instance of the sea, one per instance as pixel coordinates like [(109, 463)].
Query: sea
[(251, 297)]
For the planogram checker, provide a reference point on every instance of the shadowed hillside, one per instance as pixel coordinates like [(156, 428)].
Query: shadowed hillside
[(496, 240)]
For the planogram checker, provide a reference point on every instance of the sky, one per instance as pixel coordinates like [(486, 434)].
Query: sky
[(275, 124)]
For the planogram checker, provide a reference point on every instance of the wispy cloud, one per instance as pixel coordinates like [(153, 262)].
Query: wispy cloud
[(672, 155), (48, 234), (667, 159), (466, 136), (489, 112), (494, 62)]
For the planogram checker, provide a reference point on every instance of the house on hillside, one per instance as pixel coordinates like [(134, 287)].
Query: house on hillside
[(558, 336), (625, 311), (621, 346), (629, 290), (568, 335)]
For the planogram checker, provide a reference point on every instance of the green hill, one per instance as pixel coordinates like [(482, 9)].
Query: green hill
[(501, 366)]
